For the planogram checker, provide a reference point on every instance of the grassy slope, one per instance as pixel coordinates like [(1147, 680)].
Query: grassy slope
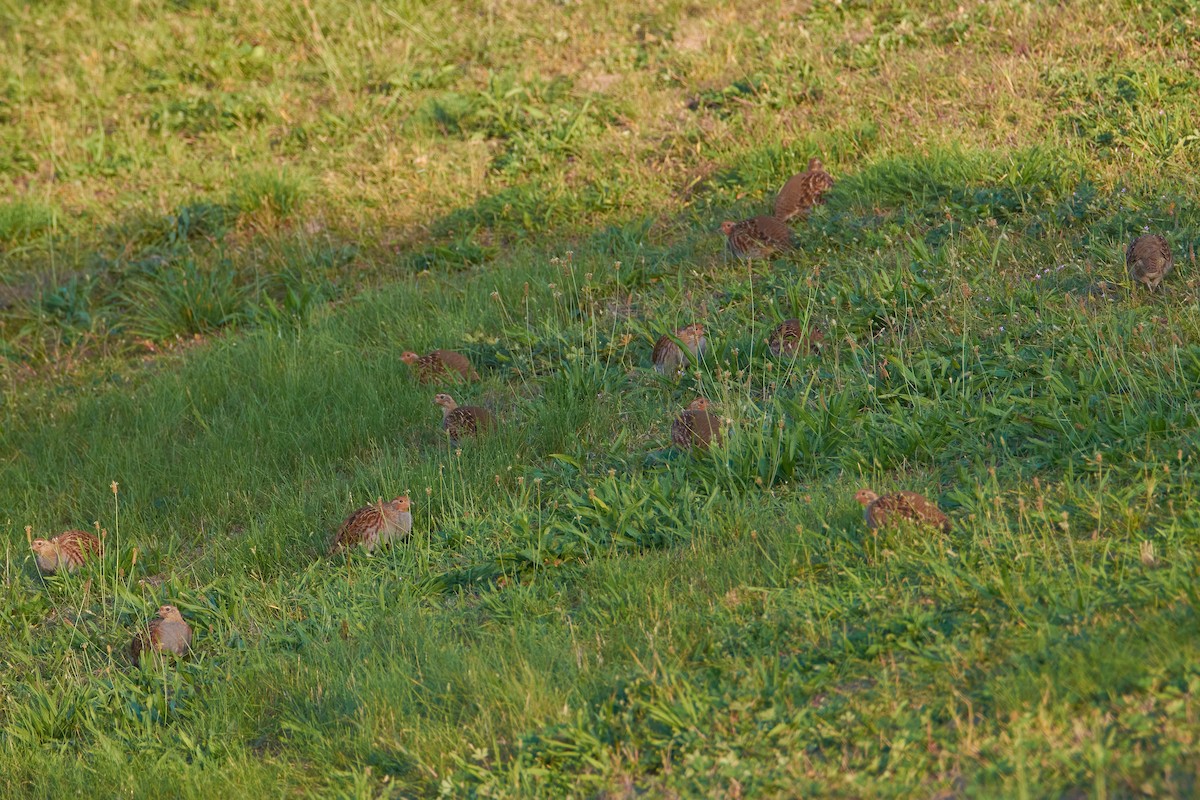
[(532, 181)]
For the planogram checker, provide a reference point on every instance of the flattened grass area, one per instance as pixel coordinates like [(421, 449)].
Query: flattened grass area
[(223, 222)]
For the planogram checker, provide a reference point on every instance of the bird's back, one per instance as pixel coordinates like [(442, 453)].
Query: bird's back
[(361, 527), (771, 230), (759, 236), (455, 362), (910, 506), (78, 545), (1149, 259), (801, 193)]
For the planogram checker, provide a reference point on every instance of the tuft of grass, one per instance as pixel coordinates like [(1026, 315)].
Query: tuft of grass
[(183, 299), (23, 220), (269, 195)]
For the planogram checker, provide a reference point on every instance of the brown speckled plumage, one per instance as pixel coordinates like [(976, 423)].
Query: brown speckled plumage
[(169, 633), (67, 551), (886, 510), (440, 365), (1149, 260), (757, 237), (790, 338), (803, 191), (669, 359), (696, 427), (463, 421), (374, 525)]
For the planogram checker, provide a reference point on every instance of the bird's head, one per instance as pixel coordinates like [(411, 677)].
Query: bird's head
[(727, 226), (692, 333), (699, 404), (815, 164), (409, 357), (445, 401), (42, 547), (170, 612), (866, 497), (401, 504)]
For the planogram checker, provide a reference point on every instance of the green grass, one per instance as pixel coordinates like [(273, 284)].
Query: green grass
[(23, 220), (224, 223)]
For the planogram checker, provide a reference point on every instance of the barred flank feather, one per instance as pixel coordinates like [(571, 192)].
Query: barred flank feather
[(67, 551), (696, 427), (373, 525), (668, 358), (462, 421)]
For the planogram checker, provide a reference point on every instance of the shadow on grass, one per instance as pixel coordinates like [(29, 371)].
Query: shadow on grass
[(248, 260)]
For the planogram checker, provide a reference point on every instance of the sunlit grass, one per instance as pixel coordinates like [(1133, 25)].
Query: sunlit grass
[(224, 224)]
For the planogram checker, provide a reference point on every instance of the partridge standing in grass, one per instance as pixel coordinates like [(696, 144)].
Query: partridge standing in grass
[(440, 365), (669, 358), (167, 633), (803, 191), (757, 237), (890, 509), (790, 339), (1149, 259), (696, 427), (461, 421), (373, 525), (67, 551)]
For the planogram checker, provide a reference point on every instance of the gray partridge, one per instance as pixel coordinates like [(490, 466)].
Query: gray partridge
[(440, 365), (696, 427), (803, 191), (169, 633), (1149, 259), (461, 421), (669, 359), (890, 509), (374, 525), (790, 338), (67, 551), (757, 237)]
